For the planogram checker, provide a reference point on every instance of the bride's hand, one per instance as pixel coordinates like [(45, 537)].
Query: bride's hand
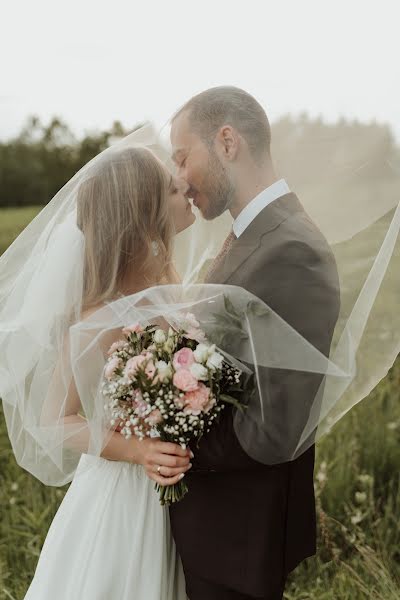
[(164, 462)]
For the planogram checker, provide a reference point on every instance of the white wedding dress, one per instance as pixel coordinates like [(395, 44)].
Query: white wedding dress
[(110, 540)]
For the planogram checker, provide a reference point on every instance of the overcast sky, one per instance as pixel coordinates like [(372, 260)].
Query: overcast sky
[(91, 62)]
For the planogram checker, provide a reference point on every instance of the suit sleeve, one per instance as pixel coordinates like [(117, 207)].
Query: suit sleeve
[(300, 284)]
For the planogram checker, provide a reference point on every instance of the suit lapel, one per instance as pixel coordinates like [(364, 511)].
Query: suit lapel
[(269, 219)]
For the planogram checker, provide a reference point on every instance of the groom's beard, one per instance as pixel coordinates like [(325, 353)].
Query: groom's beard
[(218, 189)]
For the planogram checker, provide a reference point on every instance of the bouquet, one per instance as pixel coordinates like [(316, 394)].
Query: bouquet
[(169, 384)]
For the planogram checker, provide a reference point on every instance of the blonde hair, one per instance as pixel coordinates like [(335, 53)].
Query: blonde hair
[(122, 211)]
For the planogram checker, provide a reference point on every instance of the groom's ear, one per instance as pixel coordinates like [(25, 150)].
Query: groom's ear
[(228, 142)]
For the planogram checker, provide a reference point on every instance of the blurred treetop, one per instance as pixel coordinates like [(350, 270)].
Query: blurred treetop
[(37, 163), (42, 158)]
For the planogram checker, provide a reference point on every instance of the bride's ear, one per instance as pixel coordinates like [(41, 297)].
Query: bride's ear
[(228, 142)]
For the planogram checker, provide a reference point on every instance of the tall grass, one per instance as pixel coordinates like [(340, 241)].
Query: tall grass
[(358, 502), (357, 484)]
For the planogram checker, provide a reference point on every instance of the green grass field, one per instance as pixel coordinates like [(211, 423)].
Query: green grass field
[(12, 221), (358, 497)]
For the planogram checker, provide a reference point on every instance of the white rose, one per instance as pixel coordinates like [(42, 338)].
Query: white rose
[(159, 336), (201, 353), (199, 372), (164, 370), (215, 361)]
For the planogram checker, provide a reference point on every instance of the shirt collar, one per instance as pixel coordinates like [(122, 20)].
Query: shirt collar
[(255, 206)]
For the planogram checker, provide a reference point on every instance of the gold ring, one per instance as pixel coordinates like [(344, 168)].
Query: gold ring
[(159, 469)]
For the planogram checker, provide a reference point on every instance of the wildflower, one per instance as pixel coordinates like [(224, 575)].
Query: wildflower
[(360, 497)]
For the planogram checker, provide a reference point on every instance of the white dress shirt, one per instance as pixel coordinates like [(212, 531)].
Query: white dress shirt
[(255, 206)]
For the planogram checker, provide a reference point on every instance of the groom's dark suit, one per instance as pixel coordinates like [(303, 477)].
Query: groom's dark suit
[(244, 525)]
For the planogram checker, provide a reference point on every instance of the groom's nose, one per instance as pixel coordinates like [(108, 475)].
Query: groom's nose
[(180, 171)]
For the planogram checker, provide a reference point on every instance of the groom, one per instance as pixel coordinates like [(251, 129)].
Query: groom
[(245, 525)]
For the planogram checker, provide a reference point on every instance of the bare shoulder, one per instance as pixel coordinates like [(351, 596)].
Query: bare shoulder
[(86, 313)]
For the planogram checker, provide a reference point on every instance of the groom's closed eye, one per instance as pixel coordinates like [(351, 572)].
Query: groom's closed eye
[(178, 156)]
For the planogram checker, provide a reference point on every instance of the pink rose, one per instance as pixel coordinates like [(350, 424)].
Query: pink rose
[(134, 328), (155, 417), (199, 400), (117, 346), (145, 359), (183, 359), (185, 381), (195, 334), (133, 364), (111, 367)]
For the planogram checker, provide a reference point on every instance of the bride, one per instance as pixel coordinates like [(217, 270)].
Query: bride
[(107, 234)]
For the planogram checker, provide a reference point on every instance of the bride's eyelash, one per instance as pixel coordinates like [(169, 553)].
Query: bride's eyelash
[(172, 188)]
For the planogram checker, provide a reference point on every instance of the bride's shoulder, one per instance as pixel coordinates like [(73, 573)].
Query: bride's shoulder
[(89, 311)]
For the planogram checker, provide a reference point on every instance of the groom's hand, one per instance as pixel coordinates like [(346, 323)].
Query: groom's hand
[(164, 462)]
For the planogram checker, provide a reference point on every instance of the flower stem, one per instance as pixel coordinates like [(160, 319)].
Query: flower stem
[(172, 493)]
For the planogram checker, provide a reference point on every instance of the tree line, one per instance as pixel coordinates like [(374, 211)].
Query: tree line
[(43, 157)]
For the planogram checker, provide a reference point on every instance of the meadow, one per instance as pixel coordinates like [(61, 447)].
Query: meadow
[(357, 485), (12, 221)]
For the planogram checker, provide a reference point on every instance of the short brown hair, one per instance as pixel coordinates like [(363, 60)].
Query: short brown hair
[(228, 105)]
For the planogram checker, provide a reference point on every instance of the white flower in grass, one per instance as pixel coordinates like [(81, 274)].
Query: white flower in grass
[(356, 518), (360, 497), (321, 476), (392, 426), (365, 479)]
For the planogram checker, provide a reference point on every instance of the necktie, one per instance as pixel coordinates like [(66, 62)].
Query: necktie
[(226, 246)]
